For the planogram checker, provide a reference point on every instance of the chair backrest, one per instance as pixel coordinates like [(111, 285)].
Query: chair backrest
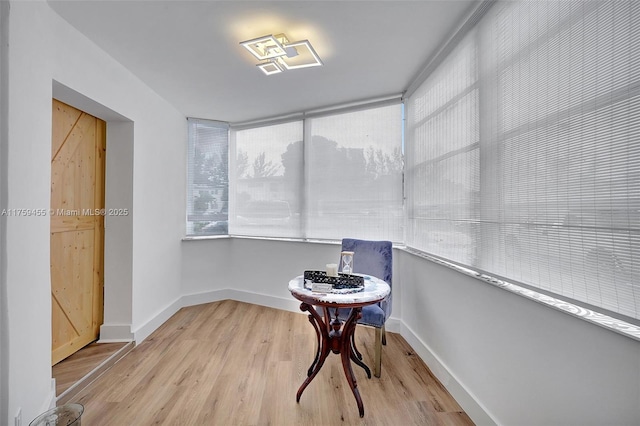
[(372, 258)]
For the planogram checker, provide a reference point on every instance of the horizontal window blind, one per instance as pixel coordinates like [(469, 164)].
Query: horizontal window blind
[(443, 158), (267, 179), (208, 177), (551, 196), (328, 177), (354, 169)]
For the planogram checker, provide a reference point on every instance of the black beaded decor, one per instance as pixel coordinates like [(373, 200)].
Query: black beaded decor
[(342, 281)]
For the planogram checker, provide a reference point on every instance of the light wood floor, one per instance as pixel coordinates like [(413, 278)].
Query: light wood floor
[(232, 363)]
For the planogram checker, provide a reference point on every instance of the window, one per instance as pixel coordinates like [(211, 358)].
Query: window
[(354, 169), (208, 178), (326, 177), (267, 177), (443, 168), (524, 153)]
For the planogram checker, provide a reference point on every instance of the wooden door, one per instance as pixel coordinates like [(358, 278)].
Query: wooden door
[(77, 229)]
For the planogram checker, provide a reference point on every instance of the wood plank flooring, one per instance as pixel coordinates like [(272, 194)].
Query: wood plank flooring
[(72, 369), (232, 363)]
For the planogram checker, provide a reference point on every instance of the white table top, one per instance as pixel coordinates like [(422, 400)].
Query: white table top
[(375, 290)]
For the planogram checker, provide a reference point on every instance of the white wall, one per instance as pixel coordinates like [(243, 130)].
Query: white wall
[(525, 363), (148, 137), (27, 239)]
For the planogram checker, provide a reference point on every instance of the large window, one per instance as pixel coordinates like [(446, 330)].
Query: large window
[(443, 159), (523, 154), (326, 177), (267, 178), (354, 170), (208, 178)]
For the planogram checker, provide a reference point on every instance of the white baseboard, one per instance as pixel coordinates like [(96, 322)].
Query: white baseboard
[(154, 323), (291, 305), (206, 297), (48, 404), (286, 304), (113, 333), (393, 325), (474, 410), (115, 340), (52, 396)]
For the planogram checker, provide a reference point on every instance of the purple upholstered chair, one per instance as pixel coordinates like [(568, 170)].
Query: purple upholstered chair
[(373, 258)]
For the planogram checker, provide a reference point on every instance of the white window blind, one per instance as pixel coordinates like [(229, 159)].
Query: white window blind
[(550, 195), (443, 159), (267, 181), (207, 177), (354, 169), (327, 177)]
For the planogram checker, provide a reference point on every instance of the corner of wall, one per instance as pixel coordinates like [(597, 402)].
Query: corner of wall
[(154, 323)]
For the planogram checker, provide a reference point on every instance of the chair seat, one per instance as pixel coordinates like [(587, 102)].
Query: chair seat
[(372, 315)]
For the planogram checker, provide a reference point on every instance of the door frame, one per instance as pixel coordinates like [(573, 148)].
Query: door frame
[(118, 230)]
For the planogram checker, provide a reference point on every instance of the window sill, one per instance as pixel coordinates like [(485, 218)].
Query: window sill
[(613, 324), (249, 237), (204, 237)]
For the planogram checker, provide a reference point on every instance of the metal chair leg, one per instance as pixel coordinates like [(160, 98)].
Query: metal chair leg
[(377, 362), (384, 335)]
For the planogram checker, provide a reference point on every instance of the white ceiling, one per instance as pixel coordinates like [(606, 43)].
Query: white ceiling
[(189, 51)]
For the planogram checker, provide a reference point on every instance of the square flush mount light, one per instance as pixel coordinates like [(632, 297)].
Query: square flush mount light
[(279, 54), (270, 68)]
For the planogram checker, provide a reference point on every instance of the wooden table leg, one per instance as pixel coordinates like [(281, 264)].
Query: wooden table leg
[(354, 347), (347, 355), (324, 347), (314, 323), (356, 356), (358, 361), (334, 336)]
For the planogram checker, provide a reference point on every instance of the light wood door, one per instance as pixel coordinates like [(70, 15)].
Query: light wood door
[(77, 229)]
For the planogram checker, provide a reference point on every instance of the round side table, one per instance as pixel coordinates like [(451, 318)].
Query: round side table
[(333, 334)]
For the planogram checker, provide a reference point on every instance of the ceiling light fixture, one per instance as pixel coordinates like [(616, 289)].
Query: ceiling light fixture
[(279, 54)]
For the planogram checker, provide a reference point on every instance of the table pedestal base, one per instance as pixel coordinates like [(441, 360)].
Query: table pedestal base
[(337, 337)]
